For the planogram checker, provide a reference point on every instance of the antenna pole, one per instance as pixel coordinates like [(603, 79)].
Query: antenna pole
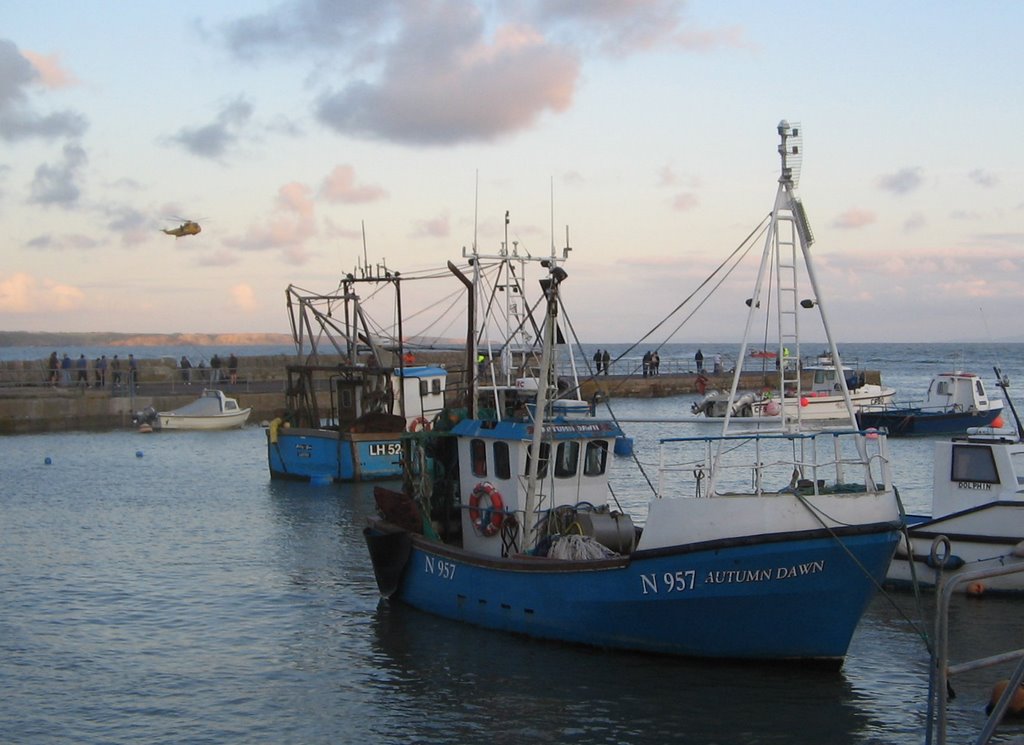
[(366, 260)]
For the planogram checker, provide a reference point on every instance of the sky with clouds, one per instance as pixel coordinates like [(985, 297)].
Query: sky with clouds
[(644, 128)]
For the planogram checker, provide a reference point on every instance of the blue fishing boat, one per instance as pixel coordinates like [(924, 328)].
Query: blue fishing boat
[(955, 402), (348, 400), (758, 544)]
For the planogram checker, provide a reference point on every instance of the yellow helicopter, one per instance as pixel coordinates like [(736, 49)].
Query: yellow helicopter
[(188, 227)]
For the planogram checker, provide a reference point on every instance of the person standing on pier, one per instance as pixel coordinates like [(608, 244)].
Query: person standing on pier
[(605, 360), (655, 363), (647, 363), (101, 371), (233, 368), (133, 372), (597, 361), (699, 359)]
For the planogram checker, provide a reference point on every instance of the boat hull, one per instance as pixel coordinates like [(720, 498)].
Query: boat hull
[(233, 420), (317, 455), (784, 598), (911, 423), (808, 408), (979, 538)]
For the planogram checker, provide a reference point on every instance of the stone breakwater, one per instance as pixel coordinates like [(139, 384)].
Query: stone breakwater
[(30, 403)]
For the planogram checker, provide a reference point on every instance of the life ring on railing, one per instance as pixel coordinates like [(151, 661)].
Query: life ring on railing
[(420, 423), (486, 518)]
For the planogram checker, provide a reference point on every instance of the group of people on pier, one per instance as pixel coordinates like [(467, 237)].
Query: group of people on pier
[(63, 369)]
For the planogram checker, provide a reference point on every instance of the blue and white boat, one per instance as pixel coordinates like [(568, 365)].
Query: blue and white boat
[(347, 406), (977, 517), (765, 544), (955, 402)]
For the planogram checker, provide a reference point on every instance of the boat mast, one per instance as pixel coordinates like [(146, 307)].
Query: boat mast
[(556, 275), (788, 239)]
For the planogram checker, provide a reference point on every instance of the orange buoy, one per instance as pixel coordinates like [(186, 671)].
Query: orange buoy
[(997, 423), (1016, 707), (803, 401)]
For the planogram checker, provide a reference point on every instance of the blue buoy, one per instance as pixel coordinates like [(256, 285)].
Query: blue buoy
[(138, 453), (47, 460), (623, 445)]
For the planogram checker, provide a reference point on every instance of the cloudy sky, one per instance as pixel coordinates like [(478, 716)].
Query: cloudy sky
[(647, 127)]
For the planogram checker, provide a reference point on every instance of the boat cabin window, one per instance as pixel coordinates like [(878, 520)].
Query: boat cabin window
[(1017, 460), (944, 389), (979, 388), (346, 398), (478, 457), (435, 385), (424, 387), (824, 376), (502, 463), (974, 463), (545, 455), (596, 459), (566, 459)]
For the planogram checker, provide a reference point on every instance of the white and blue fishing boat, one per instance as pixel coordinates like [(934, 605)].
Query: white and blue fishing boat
[(955, 402), (765, 544), (977, 517), (348, 400)]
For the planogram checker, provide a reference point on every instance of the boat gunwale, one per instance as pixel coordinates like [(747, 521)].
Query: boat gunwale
[(527, 563)]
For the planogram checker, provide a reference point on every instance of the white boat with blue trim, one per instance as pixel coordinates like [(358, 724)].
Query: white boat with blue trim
[(977, 519), (764, 544)]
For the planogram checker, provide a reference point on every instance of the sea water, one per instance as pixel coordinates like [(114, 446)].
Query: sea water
[(162, 588)]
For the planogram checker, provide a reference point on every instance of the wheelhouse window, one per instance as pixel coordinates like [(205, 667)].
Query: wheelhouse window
[(567, 458), (478, 457), (1018, 467), (542, 465), (424, 389), (502, 465), (974, 463), (596, 458)]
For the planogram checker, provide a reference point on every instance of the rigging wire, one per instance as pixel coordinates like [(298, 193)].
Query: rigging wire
[(735, 258)]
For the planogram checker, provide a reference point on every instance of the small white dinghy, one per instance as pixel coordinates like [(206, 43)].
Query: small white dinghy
[(211, 411)]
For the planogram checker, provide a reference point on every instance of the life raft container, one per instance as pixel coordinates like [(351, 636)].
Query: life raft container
[(486, 509)]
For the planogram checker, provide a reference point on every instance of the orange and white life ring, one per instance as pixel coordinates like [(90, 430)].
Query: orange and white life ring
[(420, 423), (486, 509)]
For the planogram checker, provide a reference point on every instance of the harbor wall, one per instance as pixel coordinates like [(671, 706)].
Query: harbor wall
[(30, 403)]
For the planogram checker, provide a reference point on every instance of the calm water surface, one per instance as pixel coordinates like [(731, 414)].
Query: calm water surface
[(161, 589)]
